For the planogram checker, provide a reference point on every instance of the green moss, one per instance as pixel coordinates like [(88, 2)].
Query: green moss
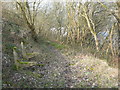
[(41, 64), (47, 84), (57, 45), (37, 75), (14, 67), (29, 53), (28, 72), (24, 62), (26, 86)]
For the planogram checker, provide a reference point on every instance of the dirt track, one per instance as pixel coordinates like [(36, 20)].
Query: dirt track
[(61, 71)]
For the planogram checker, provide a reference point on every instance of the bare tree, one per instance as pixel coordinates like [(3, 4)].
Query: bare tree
[(29, 12)]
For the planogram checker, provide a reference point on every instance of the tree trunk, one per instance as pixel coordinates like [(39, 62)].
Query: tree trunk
[(96, 42), (34, 36), (91, 28), (33, 33), (92, 32)]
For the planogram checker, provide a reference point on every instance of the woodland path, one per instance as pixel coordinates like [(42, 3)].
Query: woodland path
[(58, 70)]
